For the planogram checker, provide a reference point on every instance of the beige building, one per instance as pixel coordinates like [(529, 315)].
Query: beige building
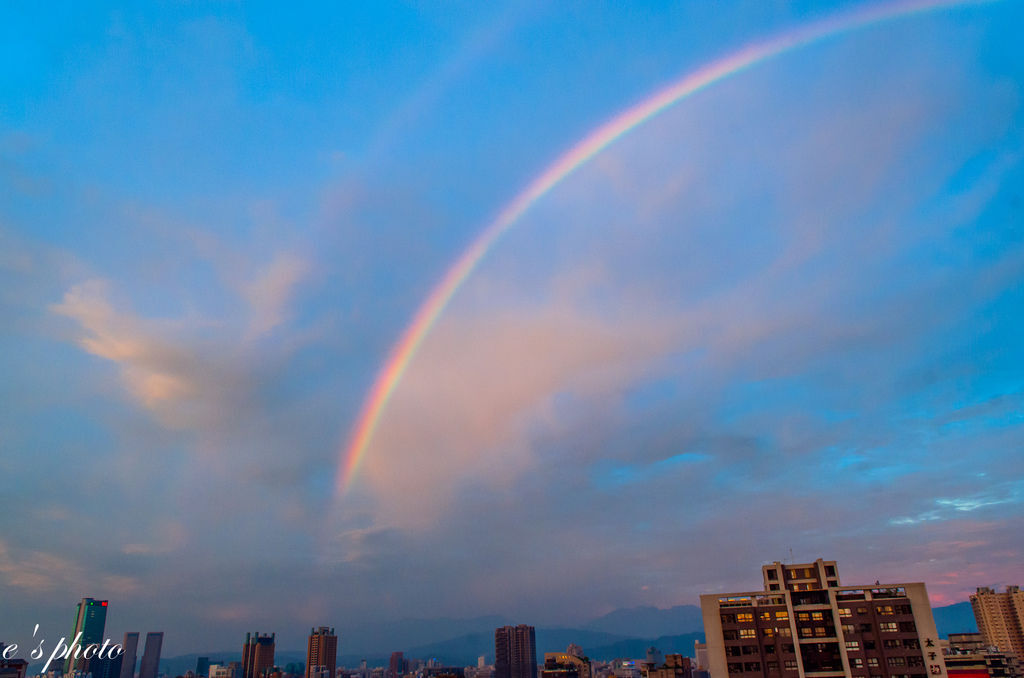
[(805, 623), (1000, 618)]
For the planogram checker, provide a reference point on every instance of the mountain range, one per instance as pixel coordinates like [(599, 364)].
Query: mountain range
[(626, 632)]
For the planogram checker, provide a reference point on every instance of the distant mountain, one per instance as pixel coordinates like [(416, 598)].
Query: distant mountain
[(955, 618), (464, 650), (636, 648), (649, 622)]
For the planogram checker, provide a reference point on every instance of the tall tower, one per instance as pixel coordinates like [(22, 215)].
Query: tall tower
[(396, 667), (257, 655), (150, 666), (515, 652), (1000, 618), (131, 650), (321, 653), (90, 620)]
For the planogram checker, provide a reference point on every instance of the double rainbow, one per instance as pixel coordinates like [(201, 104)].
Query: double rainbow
[(432, 307)]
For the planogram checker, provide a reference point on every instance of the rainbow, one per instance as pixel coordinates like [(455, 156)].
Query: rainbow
[(432, 307)]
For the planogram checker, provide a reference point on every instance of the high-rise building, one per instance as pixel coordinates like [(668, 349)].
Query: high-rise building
[(515, 652), (257, 655), (90, 620), (321, 653), (396, 666), (203, 666), (803, 623), (1000, 618), (150, 665), (130, 645)]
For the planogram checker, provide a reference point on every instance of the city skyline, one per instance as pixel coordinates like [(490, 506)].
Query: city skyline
[(387, 312)]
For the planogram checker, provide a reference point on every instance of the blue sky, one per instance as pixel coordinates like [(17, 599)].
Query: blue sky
[(782, 314)]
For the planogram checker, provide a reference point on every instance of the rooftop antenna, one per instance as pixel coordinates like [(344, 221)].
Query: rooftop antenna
[(792, 560)]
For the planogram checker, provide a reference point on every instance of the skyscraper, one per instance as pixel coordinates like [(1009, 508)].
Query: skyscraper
[(321, 653), (257, 655), (515, 652), (804, 623), (1000, 618), (396, 667), (150, 666), (131, 650), (90, 620), (202, 666)]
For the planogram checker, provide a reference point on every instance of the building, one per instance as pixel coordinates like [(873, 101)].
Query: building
[(969, 656), (203, 666), (230, 670), (12, 668), (257, 655), (1000, 618), (674, 666), (90, 620), (321, 653), (149, 667), (804, 623), (129, 656), (565, 664), (515, 652), (396, 665)]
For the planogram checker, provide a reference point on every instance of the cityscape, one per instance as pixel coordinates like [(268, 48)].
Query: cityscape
[(803, 623), (512, 339)]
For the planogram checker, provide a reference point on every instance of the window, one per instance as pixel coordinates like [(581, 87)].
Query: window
[(803, 616), (820, 631), (903, 609), (888, 627), (769, 633), (869, 645), (908, 627), (773, 587), (730, 634), (788, 647), (773, 575), (891, 643), (748, 633), (873, 662), (912, 643), (782, 615), (805, 631), (791, 665), (865, 628), (773, 666), (847, 628), (845, 612), (830, 570), (853, 645), (732, 651), (817, 616), (769, 649), (856, 663), (766, 616), (735, 667), (745, 617), (885, 609), (862, 610), (752, 667), (750, 649), (897, 661), (728, 618), (915, 661), (784, 632)]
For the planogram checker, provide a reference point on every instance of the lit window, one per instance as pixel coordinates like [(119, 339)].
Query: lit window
[(817, 616), (766, 616), (791, 665), (748, 633), (885, 609), (847, 628), (783, 631), (888, 626), (769, 633), (873, 662), (856, 662), (845, 612), (897, 661), (803, 616), (745, 617), (853, 645), (782, 615)]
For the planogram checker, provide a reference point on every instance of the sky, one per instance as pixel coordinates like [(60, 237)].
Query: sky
[(781, 316)]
